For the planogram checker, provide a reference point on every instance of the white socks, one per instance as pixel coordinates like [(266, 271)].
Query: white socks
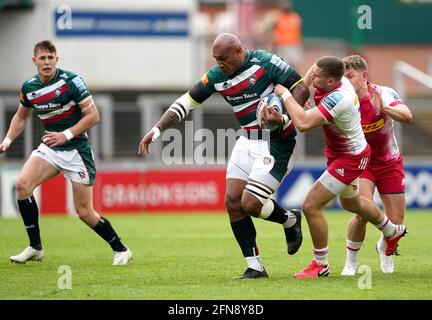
[(254, 263), (292, 219), (321, 256), (351, 252), (386, 227)]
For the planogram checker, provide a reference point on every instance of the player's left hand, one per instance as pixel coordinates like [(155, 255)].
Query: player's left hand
[(53, 139), (375, 98)]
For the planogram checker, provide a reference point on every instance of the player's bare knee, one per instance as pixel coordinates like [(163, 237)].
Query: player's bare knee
[(23, 188), (84, 212), (251, 204), (232, 204), (307, 207)]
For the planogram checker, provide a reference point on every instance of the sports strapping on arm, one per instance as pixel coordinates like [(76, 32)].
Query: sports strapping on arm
[(182, 106), (175, 113)]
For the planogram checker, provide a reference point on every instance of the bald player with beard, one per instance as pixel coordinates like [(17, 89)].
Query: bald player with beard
[(256, 166)]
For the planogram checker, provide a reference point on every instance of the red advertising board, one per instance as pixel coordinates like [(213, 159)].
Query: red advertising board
[(147, 191)]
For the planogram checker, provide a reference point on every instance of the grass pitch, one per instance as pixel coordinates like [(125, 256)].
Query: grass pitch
[(195, 257)]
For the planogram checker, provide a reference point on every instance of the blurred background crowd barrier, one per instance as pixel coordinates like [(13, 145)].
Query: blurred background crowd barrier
[(137, 57)]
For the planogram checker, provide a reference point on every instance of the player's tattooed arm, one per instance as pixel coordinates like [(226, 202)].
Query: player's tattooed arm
[(168, 120)]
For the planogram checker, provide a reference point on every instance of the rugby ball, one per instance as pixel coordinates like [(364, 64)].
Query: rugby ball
[(273, 101)]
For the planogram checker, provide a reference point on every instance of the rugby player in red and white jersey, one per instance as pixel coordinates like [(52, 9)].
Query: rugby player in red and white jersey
[(379, 106), (347, 152)]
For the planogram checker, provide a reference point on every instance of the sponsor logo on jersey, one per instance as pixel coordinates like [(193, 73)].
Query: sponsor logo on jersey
[(64, 75), (279, 62), (79, 83), (255, 60), (50, 105), (367, 128), (332, 100), (244, 96), (225, 85), (57, 92)]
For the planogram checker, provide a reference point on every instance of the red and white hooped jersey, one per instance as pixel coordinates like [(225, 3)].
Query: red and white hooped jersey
[(343, 133), (378, 127)]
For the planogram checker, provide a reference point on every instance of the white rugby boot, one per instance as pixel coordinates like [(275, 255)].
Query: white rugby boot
[(386, 262), (28, 254), (122, 258), (349, 270)]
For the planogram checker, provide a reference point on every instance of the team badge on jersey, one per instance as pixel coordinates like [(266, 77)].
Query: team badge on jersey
[(225, 85), (252, 80)]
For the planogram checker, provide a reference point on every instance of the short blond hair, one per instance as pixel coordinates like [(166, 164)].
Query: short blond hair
[(355, 62)]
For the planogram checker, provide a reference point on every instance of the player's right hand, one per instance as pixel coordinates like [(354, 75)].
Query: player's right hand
[(151, 136), (264, 114), (3, 147)]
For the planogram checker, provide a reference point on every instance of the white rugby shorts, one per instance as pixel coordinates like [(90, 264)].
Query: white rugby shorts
[(69, 161)]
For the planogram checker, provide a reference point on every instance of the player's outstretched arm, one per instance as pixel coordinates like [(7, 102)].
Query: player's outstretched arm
[(89, 119), (16, 127), (175, 113), (168, 119)]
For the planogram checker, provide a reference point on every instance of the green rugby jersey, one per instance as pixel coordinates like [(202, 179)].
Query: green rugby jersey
[(56, 103), (243, 90)]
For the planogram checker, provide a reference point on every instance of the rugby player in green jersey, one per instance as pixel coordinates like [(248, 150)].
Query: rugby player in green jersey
[(66, 108), (257, 166)]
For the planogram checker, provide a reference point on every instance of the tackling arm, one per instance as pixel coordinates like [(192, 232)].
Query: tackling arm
[(303, 120)]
